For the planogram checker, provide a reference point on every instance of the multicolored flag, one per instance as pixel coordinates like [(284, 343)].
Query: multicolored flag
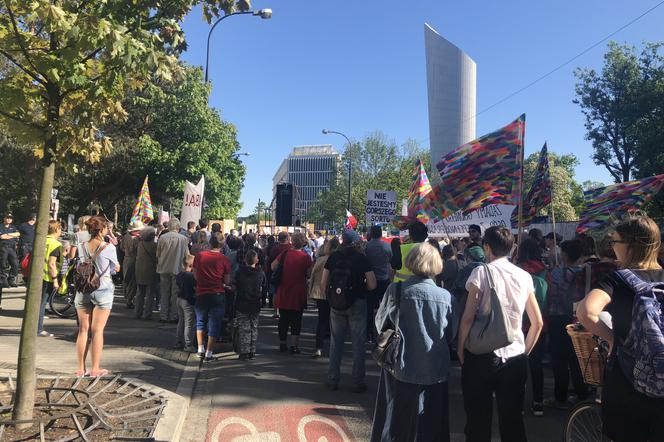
[(143, 208), (617, 199), (539, 195), (484, 171), (351, 221), (422, 199)]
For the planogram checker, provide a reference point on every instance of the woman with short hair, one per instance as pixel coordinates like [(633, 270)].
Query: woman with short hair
[(627, 414), (412, 402)]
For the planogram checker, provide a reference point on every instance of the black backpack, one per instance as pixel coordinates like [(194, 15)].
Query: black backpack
[(340, 285)]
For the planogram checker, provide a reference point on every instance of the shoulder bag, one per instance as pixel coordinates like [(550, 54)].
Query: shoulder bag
[(388, 342), (275, 277), (491, 329)]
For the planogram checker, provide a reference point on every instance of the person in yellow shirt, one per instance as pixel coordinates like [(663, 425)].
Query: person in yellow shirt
[(52, 262), (417, 233)]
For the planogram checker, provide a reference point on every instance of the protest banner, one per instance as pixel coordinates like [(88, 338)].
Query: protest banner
[(381, 206), (457, 224), (192, 203)]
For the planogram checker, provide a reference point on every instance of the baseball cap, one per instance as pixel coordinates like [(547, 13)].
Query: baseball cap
[(350, 237)]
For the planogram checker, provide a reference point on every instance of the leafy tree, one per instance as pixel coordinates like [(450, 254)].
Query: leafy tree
[(590, 185), (259, 211), (172, 135), (376, 163), (567, 194), (72, 62)]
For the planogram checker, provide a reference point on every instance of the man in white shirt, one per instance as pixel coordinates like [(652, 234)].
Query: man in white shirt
[(502, 372)]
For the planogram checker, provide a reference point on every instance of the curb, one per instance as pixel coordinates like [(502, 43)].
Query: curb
[(170, 425)]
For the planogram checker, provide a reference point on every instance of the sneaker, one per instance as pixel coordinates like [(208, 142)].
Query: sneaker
[(201, 354), (537, 409), (209, 358), (360, 388), (252, 355), (45, 334), (295, 350), (283, 348), (317, 354), (331, 386)]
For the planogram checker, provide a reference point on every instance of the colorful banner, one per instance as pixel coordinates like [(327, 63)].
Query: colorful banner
[(539, 195), (381, 206), (483, 172), (192, 203), (616, 199), (143, 208)]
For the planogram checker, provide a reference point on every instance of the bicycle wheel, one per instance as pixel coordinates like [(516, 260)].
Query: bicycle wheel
[(584, 423), (62, 305)]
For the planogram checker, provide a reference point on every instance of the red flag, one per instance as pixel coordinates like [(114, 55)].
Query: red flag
[(351, 221)]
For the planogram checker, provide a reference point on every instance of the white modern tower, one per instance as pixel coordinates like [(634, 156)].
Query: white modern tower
[(451, 78)]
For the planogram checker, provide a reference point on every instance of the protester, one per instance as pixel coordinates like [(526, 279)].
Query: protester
[(82, 236), (53, 258), (417, 233), (474, 236), (212, 271), (451, 267), (379, 255), (551, 254), (283, 243), (171, 250), (588, 248), (201, 243), (9, 236), (317, 293), (503, 372), (249, 282), (27, 239), (147, 278), (562, 294), (191, 229), (186, 330), (348, 266), (94, 309), (475, 259), (130, 248), (291, 295), (412, 402), (202, 230), (627, 414), (530, 259)]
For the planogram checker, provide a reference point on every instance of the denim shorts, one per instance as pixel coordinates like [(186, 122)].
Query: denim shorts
[(101, 298), (209, 310)]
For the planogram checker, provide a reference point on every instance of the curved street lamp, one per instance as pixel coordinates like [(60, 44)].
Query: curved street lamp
[(265, 14), (326, 132)]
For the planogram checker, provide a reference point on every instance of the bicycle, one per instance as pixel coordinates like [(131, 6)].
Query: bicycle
[(61, 300), (584, 421)]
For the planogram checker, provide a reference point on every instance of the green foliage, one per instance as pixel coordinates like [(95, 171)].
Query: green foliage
[(376, 163), (19, 174), (567, 194)]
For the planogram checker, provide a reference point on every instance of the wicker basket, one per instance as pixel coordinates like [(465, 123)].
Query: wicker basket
[(591, 360)]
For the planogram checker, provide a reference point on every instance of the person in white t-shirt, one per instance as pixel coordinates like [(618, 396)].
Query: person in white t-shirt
[(504, 371)]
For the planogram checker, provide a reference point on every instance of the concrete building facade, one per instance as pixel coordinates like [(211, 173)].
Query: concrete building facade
[(451, 83)]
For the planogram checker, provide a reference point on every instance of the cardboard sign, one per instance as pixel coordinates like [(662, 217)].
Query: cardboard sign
[(381, 206), (457, 225)]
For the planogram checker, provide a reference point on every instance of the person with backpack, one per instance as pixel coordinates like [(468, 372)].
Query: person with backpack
[(95, 292), (249, 282), (633, 391), (529, 258), (347, 278), (563, 292), (317, 293), (497, 367), (291, 296)]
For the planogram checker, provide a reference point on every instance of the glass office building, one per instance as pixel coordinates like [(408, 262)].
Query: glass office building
[(311, 169)]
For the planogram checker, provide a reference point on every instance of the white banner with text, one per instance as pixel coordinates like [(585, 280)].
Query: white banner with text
[(457, 225), (192, 204)]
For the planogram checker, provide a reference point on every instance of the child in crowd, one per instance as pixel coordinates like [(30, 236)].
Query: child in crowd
[(249, 281), (186, 299)]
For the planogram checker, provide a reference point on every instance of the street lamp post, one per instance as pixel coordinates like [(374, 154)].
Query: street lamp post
[(265, 14), (326, 132)]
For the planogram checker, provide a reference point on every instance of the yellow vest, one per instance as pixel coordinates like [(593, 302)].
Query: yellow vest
[(51, 245), (403, 274)]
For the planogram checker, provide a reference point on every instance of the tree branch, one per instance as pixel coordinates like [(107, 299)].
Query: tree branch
[(20, 120), (21, 67), (19, 40)]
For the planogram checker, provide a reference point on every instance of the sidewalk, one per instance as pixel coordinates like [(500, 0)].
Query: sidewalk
[(133, 348)]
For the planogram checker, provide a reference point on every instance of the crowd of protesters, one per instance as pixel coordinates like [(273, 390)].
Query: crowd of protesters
[(213, 286)]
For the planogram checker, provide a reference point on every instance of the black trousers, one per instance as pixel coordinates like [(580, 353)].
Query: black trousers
[(536, 370), (289, 319), (482, 376), (323, 326), (563, 360), (9, 259)]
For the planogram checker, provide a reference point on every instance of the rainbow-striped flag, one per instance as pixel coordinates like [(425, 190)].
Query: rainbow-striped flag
[(143, 208), (422, 199), (617, 199), (539, 195), (484, 171)]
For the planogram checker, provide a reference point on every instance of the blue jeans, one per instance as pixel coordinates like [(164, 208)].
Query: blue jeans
[(210, 309), (47, 288), (355, 319)]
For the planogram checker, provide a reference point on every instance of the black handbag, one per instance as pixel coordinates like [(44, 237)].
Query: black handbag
[(388, 342), (275, 277)]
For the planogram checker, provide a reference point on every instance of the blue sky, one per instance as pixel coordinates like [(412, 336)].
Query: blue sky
[(359, 66)]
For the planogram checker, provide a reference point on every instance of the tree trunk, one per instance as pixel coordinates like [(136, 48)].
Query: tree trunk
[(26, 382)]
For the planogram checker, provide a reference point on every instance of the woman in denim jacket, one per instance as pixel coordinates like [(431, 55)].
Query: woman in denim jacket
[(411, 403)]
